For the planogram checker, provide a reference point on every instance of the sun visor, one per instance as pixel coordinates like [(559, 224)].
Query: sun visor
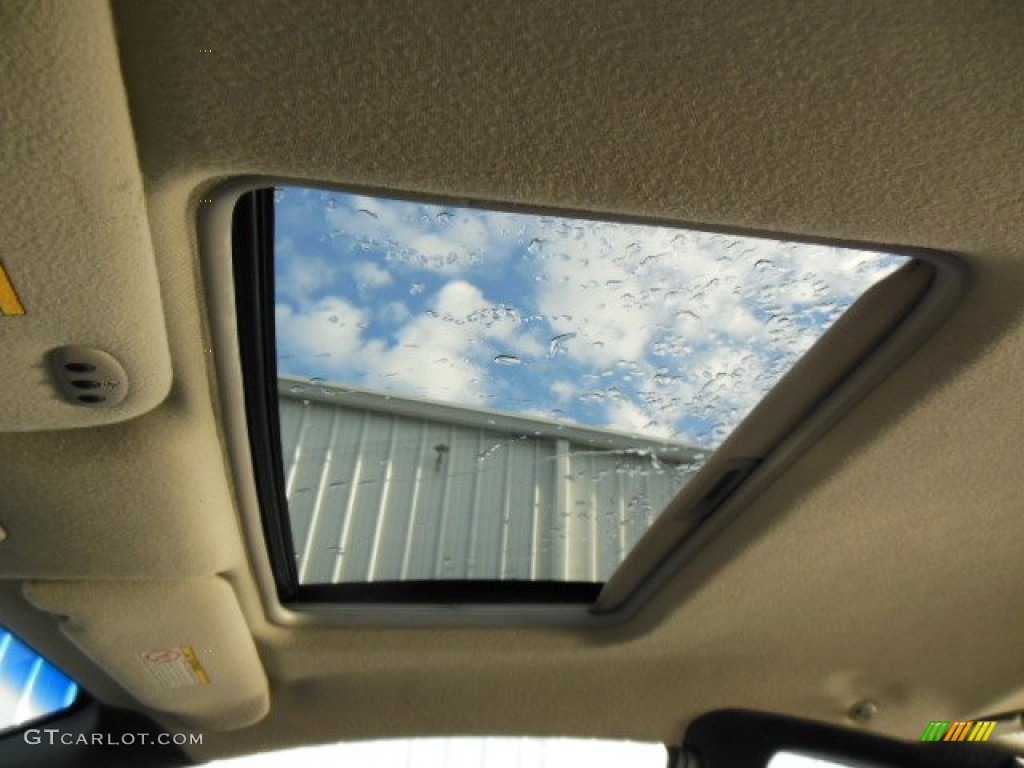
[(182, 648), (81, 321)]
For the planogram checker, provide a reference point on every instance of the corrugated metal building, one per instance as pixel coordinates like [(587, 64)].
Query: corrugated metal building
[(383, 488)]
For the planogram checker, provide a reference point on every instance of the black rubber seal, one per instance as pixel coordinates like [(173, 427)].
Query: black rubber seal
[(252, 231)]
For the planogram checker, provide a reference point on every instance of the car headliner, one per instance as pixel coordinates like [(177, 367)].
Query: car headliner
[(883, 565)]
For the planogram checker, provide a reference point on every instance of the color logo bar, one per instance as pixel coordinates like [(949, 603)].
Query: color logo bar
[(958, 730)]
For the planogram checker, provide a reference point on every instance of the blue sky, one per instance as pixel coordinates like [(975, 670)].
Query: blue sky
[(654, 331)]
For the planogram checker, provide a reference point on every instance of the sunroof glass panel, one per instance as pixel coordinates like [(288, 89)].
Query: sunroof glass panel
[(473, 394)]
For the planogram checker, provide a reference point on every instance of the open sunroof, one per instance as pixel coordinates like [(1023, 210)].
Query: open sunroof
[(484, 405)]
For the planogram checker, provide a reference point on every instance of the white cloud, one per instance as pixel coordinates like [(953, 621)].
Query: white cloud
[(628, 416), (714, 314), (432, 357), (330, 328), (564, 390), (300, 274), (369, 275), (663, 327), (443, 354), (419, 236)]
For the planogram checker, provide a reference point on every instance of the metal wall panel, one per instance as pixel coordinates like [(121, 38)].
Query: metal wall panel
[(383, 496)]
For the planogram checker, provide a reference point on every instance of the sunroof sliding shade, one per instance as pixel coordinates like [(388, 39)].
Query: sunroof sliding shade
[(491, 397)]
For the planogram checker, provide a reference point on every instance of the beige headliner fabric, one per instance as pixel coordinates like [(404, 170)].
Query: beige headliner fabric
[(73, 234), (144, 499), (885, 564)]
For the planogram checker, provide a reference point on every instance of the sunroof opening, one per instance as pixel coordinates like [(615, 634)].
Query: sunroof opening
[(480, 395)]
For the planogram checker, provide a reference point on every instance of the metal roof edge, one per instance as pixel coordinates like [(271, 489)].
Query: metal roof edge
[(332, 393)]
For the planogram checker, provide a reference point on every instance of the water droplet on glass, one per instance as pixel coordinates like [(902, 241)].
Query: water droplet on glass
[(298, 388), (488, 453), (558, 342), (333, 318), (417, 289), (278, 195), (317, 380), (507, 360)]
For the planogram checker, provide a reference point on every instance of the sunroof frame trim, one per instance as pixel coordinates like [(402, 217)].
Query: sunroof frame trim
[(947, 286)]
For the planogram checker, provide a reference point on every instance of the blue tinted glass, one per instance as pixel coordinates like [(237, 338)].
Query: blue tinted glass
[(30, 687), (488, 395), (657, 332)]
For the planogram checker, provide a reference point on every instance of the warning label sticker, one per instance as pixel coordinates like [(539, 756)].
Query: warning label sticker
[(10, 304), (176, 667)]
